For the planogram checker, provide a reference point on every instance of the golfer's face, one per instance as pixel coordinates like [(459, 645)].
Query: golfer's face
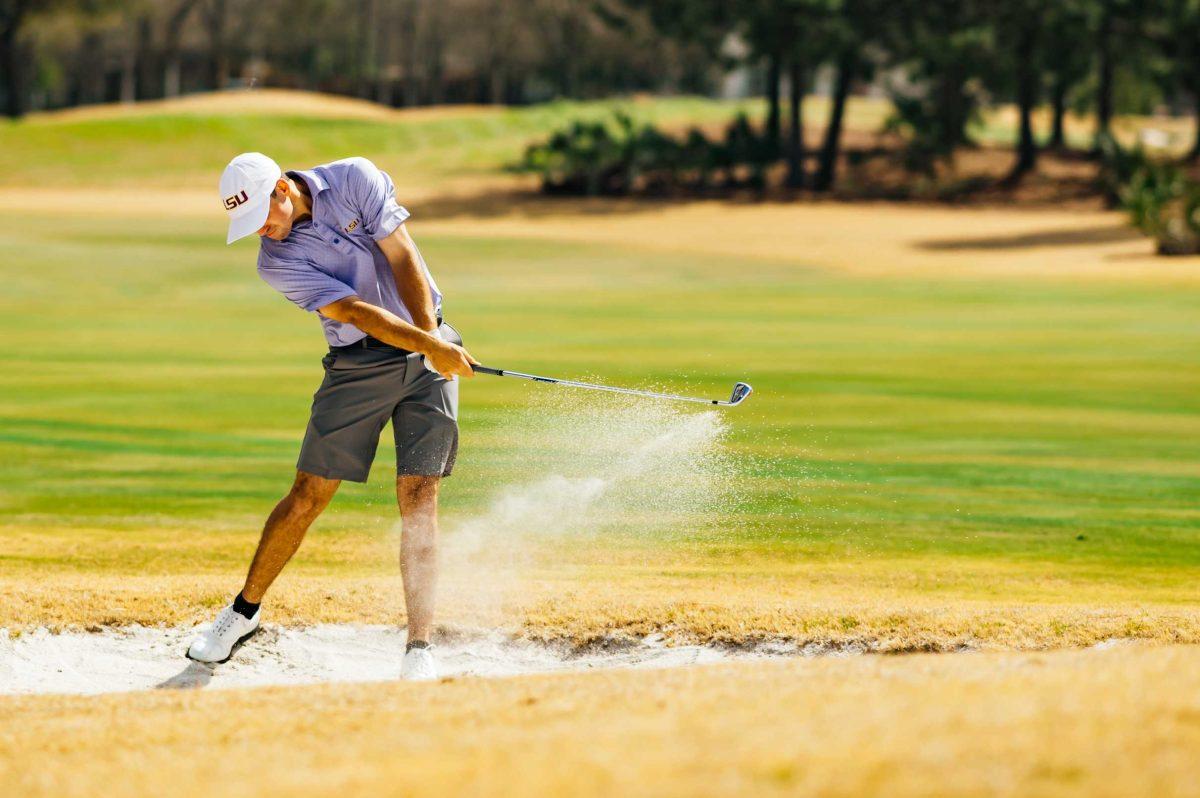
[(279, 220)]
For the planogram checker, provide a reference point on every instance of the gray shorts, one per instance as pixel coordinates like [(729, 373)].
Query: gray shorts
[(363, 389)]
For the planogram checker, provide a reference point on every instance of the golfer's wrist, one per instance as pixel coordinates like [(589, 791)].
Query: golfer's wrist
[(432, 342)]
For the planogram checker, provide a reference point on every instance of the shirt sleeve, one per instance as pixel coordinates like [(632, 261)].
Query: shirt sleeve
[(302, 282), (373, 195)]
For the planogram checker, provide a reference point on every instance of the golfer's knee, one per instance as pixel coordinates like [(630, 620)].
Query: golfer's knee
[(310, 494), (417, 494), (419, 548)]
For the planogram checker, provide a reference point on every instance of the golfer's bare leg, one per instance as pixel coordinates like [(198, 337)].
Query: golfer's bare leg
[(285, 529), (418, 551)]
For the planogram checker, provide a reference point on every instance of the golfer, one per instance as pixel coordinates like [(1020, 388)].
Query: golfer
[(333, 241)]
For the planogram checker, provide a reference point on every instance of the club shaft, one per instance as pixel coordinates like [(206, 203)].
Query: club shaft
[(591, 386)]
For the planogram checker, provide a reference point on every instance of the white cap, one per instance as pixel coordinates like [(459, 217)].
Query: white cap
[(246, 186)]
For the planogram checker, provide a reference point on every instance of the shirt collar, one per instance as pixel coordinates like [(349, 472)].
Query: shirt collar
[(316, 183)]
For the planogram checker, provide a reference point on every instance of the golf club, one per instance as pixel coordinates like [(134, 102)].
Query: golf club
[(740, 391)]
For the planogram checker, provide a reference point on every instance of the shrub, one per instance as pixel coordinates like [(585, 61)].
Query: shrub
[(1162, 200), (621, 156)]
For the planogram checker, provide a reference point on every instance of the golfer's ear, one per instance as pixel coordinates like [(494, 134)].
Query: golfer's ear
[(281, 187)]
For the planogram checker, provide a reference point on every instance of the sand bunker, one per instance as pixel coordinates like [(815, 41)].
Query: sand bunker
[(142, 658)]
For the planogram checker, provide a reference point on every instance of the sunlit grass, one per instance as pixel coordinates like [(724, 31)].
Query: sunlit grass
[(153, 391), (178, 149)]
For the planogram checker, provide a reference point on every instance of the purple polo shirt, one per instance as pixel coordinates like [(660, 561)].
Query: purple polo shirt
[(334, 254)]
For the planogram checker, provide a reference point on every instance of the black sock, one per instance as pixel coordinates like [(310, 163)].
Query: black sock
[(244, 608), (416, 644)]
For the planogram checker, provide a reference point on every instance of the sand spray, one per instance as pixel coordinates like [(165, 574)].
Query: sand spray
[(584, 467)]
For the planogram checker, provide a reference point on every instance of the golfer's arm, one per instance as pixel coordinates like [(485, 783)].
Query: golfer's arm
[(411, 283), (382, 324)]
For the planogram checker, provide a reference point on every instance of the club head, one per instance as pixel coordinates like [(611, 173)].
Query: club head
[(740, 392)]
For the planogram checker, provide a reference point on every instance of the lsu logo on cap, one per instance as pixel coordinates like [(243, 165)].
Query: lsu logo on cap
[(236, 200), (350, 227)]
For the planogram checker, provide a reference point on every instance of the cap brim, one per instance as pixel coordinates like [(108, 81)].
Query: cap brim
[(251, 219)]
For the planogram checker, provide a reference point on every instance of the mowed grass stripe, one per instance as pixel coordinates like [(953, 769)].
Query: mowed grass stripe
[(889, 416), (151, 383)]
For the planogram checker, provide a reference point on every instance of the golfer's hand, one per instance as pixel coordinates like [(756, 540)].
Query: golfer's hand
[(451, 360)]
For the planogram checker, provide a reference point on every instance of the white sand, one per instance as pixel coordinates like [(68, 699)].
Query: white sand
[(141, 658)]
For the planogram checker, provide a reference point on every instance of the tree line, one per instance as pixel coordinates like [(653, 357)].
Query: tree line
[(58, 53), (940, 61)]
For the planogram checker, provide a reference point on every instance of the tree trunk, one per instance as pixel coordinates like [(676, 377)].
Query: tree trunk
[(497, 86), (773, 114), (172, 76), (383, 55), (1194, 154), (1058, 136), (172, 56), (499, 47), (146, 67), (570, 35), (368, 26), (383, 91), (832, 145), (795, 176), (133, 61), (89, 69), (435, 57), (953, 113), (218, 52), (129, 76), (1104, 87), (1027, 77), (10, 59), (407, 38), (127, 91)]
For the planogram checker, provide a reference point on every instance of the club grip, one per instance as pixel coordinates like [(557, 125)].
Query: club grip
[(478, 369)]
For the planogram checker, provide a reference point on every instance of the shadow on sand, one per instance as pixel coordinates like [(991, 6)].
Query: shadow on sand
[(1105, 234), (530, 204), (194, 677)]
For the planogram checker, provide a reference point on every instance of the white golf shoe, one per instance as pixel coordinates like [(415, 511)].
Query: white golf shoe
[(419, 665), (217, 643)]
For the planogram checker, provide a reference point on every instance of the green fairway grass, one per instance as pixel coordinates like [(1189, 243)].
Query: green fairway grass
[(173, 148), (151, 380), (153, 391)]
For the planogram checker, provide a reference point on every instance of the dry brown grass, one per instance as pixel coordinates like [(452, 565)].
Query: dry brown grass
[(946, 242), (827, 606), (1094, 723), (849, 237)]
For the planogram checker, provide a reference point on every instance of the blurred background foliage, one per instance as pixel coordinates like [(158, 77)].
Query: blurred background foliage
[(939, 64)]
